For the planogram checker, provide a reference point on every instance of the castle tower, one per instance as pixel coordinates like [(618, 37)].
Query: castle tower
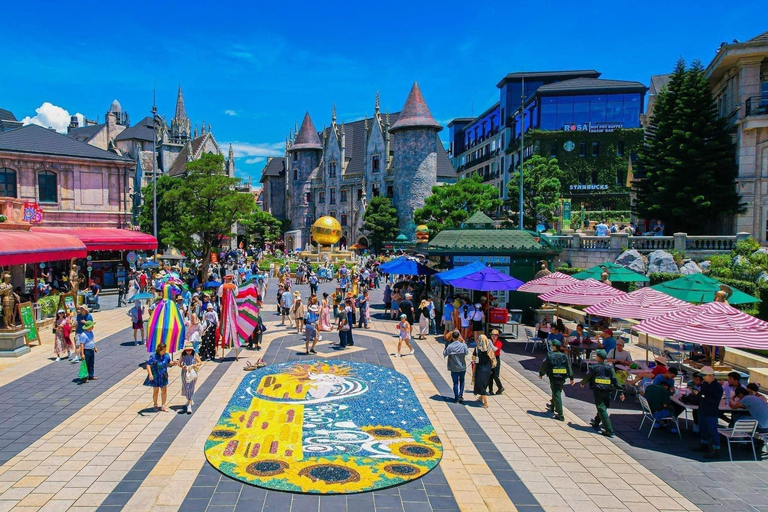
[(180, 125), (415, 144), (304, 158)]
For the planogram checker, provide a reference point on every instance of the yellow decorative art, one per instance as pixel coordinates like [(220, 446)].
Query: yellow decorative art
[(324, 428)]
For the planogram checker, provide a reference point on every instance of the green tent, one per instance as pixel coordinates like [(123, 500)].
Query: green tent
[(616, 274), (700, 289)]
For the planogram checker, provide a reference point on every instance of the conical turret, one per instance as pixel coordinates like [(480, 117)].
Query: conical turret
[(307, 137), (415, 113)]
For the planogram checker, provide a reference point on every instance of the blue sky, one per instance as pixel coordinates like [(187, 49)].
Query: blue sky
[(251, 69)]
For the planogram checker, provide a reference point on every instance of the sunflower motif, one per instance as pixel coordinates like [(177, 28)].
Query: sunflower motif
[(335, 475), (386, 432), (416, 452), (403, 470)]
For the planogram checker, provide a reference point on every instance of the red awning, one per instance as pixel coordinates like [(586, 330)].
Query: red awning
[(107, 239), (20, 247)]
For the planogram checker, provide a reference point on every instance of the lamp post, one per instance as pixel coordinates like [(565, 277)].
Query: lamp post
[(522, 146)]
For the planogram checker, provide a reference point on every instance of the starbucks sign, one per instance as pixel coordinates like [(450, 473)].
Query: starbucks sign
[(569, 146)]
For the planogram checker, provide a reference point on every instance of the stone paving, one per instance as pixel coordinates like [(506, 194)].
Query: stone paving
[(99, 446)]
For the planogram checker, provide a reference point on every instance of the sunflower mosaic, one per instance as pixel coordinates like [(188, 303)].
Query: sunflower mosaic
[(324, 428)]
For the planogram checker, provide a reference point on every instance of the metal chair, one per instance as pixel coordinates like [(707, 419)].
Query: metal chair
[(588, 362), (647, 413), (743, 432), (531, 338)]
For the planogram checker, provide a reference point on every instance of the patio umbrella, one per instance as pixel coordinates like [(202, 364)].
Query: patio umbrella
[(582, 293), (446, 276), (487, 280), (716, 323), (699, 288), (142, 296), (639, 305), (212, 284), (149, 264), (616, 273), (406, 267), (547, 283)]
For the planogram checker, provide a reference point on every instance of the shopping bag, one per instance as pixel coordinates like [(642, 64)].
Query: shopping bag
[(83, 374)]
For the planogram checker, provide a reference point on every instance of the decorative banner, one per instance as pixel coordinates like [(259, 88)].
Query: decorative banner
[(566, 214), (324, 428), (32, 212), (27, 315), (131, 258), (247, 311)]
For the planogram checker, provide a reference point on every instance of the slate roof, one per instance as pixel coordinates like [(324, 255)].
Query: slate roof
[(658, 82), (7, 115), (589, 85), (468, 240), (591, 73), (143, 130), (762, 38), (85, 133), (35, 139), (275, 167), (178, 167), (307, 137), (415, 112), (355, 148)]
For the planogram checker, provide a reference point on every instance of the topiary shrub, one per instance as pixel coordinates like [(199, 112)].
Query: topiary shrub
[(565, 269)]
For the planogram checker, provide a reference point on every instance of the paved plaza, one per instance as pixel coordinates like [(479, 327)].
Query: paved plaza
[(100, 446)]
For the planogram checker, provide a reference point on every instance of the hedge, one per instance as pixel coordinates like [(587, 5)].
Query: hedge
[(569, 270)]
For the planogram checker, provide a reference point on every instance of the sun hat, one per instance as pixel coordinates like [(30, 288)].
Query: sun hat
[(297, 294), (88, 326), (209, 306), (188, 345), (83, 306), (60, 311), (661, 359), (707, 370), (313, 308)]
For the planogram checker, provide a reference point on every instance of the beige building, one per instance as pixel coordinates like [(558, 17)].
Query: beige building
[(739, 78)]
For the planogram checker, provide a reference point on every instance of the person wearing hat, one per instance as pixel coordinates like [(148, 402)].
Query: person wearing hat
[(406, 308), (82, 316), (709, 409), (190, 364), (62, 328), (602, 381), (404, 329), (557, 367), (88, 348), (298, 312), (310, 328)]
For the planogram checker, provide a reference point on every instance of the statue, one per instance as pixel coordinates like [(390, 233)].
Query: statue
[(9, 301), (74, 280)]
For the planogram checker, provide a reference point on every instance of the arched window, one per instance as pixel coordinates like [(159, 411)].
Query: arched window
[(7, 182), (47, 190)]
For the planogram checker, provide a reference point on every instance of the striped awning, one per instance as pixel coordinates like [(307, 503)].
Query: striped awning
[(547, 283), (582, 293), (715, 323), (639, 305)]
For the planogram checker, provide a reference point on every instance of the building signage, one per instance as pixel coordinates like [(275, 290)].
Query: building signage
[(32, 212), (493, 261), (566, 214), (593, 127), (588, 187), (569, 146)]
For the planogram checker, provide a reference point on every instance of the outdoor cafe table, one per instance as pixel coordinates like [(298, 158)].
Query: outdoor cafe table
[(724, 407)]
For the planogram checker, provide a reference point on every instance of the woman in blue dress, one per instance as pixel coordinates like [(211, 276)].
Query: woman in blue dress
[(157, 375)]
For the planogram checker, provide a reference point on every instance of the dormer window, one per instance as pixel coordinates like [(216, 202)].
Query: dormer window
[(375, 163)]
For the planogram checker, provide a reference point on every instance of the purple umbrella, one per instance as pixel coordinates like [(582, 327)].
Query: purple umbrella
[(488, 280)]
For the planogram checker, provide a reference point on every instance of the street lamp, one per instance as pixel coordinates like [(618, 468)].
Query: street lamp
[(522, 146)]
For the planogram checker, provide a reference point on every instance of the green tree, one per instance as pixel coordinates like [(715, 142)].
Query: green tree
[(380, 221), (167, 211), (261, 226), (541, 189), (690, 160), (208, 206), (450, 205)]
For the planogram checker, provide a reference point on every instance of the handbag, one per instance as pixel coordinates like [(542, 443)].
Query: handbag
[(191, 376)]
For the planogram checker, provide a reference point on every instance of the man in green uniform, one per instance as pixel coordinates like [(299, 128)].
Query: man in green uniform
[(557, 367), (602, 381)]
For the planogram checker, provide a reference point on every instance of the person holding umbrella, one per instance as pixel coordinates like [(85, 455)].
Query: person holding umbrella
[(602, 380)]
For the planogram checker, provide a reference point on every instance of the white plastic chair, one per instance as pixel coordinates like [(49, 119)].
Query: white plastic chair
[(591, 361), (647, 413), (531, 338), (743, 432)]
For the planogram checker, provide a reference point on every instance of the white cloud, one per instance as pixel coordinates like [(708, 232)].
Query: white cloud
[(50, 116), (254, 160), (230, 112), (261, 149)]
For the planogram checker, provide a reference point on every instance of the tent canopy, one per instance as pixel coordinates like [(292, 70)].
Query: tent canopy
[(547, 283), (406, 267), (699, 289), (616, 273), (107, 239), (582, 293), (488, 280), (638, 305), (445, 277), (715, 323), (20, 247)]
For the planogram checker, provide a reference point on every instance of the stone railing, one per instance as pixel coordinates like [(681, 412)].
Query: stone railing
[(710, 243), (650, 243), (559, 241), (594, 242)]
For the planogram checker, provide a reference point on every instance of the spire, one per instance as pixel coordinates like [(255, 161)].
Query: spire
[(415, 113), (202, 128), (333, 114), (195, 130), (366, 122), (231, 152), (307, 137), (181, 112), (209, 128), (376, 107)]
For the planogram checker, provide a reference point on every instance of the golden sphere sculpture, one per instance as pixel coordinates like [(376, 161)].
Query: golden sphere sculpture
[(326, 231)]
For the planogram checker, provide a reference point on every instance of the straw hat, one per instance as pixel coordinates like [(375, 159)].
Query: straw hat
[(661, 359), (297, 294), (188, 346)]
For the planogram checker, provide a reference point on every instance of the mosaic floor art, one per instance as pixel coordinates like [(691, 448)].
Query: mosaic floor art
[(324, 427)]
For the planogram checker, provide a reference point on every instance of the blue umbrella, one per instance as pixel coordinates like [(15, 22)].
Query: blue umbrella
[(212, 284), (455, 273), (142, 296), (149, 264), (406, 267), (488, 280)]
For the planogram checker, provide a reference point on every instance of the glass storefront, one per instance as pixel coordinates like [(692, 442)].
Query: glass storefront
[(560, 111)]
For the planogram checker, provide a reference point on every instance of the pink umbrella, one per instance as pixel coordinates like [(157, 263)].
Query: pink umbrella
[(715, 323), (582, 293), (547, 283), (638, 305)]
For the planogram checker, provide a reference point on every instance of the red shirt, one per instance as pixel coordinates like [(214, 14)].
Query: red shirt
[(498, 345), (659, 369)]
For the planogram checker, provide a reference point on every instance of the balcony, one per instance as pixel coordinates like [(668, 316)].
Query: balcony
[(755, 113)]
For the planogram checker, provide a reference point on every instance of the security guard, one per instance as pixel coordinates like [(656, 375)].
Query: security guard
[(602, 380), (557, 367)]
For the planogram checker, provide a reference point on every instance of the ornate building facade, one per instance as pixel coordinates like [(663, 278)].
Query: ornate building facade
[(337, 170)]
